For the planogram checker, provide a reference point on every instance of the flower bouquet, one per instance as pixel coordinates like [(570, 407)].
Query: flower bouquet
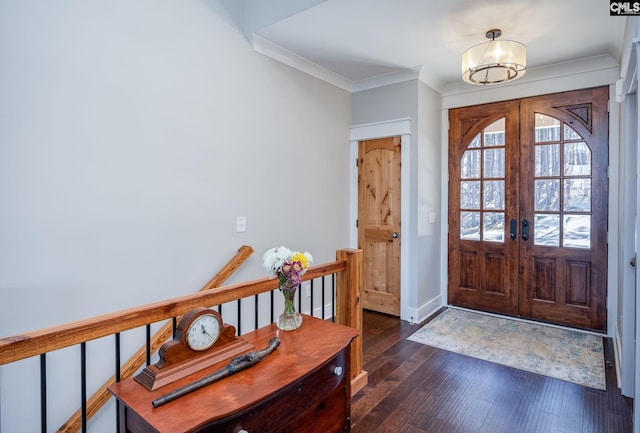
[(288, 266)]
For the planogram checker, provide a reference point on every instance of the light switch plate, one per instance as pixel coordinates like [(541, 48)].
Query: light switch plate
[(241, 224)]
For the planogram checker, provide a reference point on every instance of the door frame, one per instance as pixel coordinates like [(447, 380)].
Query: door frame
[(408, 262), (379, 222), (554, 85), (624, 344)]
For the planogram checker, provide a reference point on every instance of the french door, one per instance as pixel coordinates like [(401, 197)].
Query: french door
[(528, 208)]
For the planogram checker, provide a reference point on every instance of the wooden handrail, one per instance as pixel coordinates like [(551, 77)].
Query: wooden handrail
[(26, 345), (347, 268), (102, 395)]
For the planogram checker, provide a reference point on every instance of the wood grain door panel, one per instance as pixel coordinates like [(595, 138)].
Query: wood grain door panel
[(483, 272), (555, 175), (567, 283), (379, 222)]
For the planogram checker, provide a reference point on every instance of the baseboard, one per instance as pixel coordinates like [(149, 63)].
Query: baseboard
[(617, 345), (359, 382), (419, 315)]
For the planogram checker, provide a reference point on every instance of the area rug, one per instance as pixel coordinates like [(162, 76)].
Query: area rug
[(560, 353)]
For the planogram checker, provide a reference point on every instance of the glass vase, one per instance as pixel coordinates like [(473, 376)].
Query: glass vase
[(290, 319)]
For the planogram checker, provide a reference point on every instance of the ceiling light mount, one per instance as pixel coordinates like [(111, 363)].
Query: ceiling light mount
[(493, 34), (494, 61)]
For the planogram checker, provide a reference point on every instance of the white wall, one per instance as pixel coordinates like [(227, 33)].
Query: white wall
[(421, 175), (131, 136), (430, 223)]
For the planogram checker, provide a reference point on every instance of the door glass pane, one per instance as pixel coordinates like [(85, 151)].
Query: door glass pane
[(570, 133), (494, 163), (546, 229), (470, 194), (577, 159), (547, 128), (470, 225), (475, 142), (493, 226), (547, 160), (571, 153), (494, 134), (577, 231), (470, 168), (494, 194), (482, 185), (577, 195), (547, 195)]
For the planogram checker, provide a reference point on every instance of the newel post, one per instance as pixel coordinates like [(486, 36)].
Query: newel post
[(350, 289)]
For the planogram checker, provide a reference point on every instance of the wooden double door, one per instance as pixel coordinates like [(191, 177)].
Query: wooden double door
[(528, 200)]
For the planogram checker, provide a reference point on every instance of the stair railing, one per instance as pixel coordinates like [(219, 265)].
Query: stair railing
[(347, 270)]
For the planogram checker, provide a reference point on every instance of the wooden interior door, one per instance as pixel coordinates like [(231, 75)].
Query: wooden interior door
[(528, 208), (379, 222)]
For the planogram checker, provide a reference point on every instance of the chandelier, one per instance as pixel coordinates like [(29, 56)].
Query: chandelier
[(494, 61)]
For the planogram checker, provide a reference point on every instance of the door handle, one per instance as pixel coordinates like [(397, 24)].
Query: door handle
[(633, 262), (513, 229), (525, 229), (394, 235)]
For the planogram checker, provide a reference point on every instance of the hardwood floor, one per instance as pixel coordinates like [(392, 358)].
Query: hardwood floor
[(415, 388)]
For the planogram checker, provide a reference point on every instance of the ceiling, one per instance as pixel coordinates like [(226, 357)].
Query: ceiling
[(360, 40)]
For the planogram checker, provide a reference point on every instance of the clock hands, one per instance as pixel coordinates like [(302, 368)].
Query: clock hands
[(204, 331)]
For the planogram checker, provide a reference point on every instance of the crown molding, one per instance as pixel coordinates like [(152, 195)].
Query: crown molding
[(387, 79), (289, 58), (596, 70)]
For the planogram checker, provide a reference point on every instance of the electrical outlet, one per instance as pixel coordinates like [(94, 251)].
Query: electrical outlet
[(307, 290)]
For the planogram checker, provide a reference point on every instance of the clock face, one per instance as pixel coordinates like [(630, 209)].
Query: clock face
[(203, 332)]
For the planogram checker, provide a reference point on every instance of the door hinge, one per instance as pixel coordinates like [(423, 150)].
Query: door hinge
[(356, 223), (356, 162)]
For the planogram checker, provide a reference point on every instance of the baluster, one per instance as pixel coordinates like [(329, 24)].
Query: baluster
[(148, 329), (311, 299), (117, 335), (323, 315), (174, 323), (272, 307), (43, 393), (83, 385), (333, 298), (255, 312), (239, 309)]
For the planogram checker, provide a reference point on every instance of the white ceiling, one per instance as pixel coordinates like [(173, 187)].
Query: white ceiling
[(359, 40)]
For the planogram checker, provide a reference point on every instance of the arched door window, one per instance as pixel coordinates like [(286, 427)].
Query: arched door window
[(562, 185), (482, 186)]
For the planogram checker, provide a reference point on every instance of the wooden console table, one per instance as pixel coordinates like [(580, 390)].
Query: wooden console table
[(303, 386)]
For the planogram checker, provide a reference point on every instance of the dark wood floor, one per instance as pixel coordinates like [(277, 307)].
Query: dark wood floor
[(415, 388)]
